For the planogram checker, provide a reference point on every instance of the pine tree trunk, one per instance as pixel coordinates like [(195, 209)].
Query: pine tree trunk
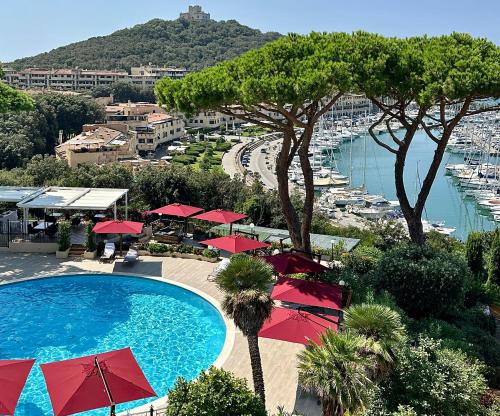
[(289, 212), (258, 377), (309, 190)]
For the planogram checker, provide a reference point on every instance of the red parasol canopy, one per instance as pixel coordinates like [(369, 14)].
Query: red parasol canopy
[(220, 216), (306, 292), (296, 326), (13, 375), (95, 381), (177, 210), (118, 227), (235, 243), (290, 263)]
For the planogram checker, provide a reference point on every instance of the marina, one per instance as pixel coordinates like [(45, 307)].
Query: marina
[(352, 172)]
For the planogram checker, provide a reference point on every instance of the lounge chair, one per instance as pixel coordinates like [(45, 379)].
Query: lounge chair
[(109, 252), (131, 257), (220, 267)]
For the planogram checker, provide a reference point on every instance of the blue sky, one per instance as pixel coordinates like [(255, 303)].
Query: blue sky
[(34, 26)]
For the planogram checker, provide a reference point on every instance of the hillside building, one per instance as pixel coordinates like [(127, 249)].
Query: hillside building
[(149, 123), (195, 13), (82, 79), (96, 145)]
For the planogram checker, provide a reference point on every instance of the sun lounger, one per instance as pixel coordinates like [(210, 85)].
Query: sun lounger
[(220, 267), (131, 257), (109, 252)]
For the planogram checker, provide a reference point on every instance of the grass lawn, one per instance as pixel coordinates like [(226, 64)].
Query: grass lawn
[(207, 153)]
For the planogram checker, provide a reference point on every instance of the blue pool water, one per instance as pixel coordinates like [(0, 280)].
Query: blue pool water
[(171, 331)]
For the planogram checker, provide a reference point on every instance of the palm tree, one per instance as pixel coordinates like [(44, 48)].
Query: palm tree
[(336, 371), (245, 283), (383, 331)]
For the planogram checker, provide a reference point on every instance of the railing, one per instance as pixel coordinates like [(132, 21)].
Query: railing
[(151, 412)]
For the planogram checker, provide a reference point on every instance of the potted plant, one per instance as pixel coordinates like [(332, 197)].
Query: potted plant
[(63, 239), (90, 243)]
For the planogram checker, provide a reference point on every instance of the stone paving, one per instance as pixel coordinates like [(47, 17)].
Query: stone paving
[(278, 358)]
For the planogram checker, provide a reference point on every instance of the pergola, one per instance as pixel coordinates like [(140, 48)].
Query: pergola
[(63, 198)]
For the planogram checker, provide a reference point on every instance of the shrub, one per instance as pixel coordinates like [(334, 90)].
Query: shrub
[(158, 248), (474, 251), (223, 147), (494, 261), (209, 253), (362, 259), (90, 243), (423, 281), (63, 235), (433, 380), (388, 234), (215, 393)]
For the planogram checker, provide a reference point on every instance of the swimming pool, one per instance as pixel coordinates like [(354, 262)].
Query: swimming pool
[(171, 331)]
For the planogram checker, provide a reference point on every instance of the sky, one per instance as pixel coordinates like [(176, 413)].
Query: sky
[(29, 27)]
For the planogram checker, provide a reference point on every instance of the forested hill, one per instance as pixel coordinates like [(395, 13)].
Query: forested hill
[(176, 43)]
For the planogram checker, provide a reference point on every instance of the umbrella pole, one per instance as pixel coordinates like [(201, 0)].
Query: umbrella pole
[(106, 387), (121, 244)]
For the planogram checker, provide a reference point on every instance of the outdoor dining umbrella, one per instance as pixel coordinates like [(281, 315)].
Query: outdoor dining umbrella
[(235, 243), (295, 325), (101, 380), (291, 263), (13, 375), (222, 217), (118, 227), (177, 210), (307, 292)]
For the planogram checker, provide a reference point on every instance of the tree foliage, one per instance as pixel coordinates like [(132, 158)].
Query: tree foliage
[(337, 372), (124, 91), (423, 281), (24, 134), (178, 43), (435, 381), (214, 393), (424, 82)]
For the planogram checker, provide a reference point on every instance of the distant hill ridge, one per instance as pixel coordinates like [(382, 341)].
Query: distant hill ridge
[(177, 43)]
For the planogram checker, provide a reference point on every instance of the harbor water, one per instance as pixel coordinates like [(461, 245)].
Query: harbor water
[(446, 202)]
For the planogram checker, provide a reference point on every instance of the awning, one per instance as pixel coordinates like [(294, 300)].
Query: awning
[(306, 292)]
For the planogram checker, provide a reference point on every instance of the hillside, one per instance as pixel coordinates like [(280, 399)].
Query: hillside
[(162, 42)]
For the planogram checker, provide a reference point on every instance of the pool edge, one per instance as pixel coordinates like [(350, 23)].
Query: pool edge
[(229, 340)]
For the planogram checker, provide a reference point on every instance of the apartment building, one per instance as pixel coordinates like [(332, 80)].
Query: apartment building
[(352, 105), (84, 79), (195, 13), (97, 145), (150, 124)]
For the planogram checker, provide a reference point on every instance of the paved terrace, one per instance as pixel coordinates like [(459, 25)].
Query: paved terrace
[(278, 358)]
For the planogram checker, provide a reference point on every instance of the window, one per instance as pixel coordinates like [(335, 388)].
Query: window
[(178, 129), (141, 141), (172, 131), (150, 140)]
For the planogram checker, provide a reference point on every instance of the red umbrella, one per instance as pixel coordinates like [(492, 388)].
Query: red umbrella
[(118, 227), (13, 375), (177, 210), (235, 243), (221, 216), (296, 326), (306, 292), (290, 263), (95, 381)]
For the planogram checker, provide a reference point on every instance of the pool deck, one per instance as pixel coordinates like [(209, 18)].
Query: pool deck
[(278, 358)]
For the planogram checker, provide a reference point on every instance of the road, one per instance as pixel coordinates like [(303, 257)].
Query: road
[(264, 164)]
